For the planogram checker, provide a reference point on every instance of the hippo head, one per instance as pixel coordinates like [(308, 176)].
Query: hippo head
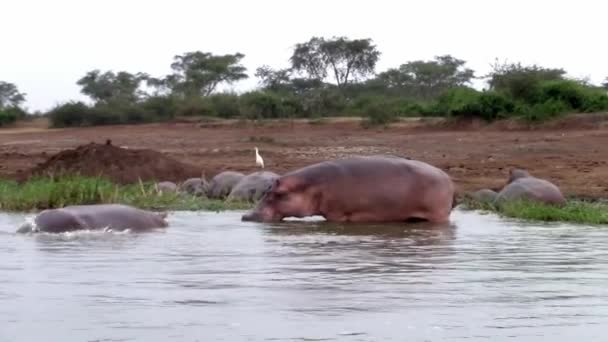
[(516, 174), (288, 196)]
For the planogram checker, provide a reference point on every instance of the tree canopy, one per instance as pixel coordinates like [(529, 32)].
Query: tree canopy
[(199, 73), (110, 86), (342, 58), (427, 79), (10, 95)]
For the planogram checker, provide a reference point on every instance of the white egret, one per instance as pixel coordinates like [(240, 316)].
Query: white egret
[(258, 159)]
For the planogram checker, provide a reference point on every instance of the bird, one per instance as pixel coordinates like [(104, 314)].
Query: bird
[(258, 159)]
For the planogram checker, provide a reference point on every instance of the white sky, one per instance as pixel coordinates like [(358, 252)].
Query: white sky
[(47, 45)]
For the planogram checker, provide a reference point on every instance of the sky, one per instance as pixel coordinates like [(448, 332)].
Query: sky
[(47, 46)]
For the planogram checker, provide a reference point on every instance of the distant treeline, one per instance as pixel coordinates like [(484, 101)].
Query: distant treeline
[(326, 77)]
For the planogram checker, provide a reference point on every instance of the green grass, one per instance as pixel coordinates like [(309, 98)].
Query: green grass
[(46, 192), (575, 211)]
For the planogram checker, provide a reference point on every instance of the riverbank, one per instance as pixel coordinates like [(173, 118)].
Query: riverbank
[(47, 193), (567, 151), (575, 211)]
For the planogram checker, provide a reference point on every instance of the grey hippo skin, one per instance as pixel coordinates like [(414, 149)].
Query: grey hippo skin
[(166, 187), (95, 217), (485, 195), (253, 186), (360, 189), (194, 186), (221, 185), (521, 185)]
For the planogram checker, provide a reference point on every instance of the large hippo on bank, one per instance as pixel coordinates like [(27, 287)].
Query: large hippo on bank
[(253, 186), (360, 189), (522, 186), (94, 217), (221, 185)]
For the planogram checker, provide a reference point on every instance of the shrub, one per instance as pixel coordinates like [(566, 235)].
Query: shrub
[(467, 102), (225, 105), (9, 116), (543, 111), (379, 113), (195, 106), (160, 107), (262, 105), (70, 114), (595, 102)]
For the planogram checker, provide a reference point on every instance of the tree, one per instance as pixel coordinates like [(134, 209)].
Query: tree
[(428, 79), (605, 84), (273, 79), (345, 59), (198, 73), (10, 95), (111, 87), (521, 82)]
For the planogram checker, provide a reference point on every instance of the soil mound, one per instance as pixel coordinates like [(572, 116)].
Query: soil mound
[(117, 164)]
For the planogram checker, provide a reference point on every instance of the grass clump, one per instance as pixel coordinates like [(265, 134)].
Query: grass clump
[(56, 192), (575, 211)]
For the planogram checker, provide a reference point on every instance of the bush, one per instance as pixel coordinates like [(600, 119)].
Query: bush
[(544, 111), (8, 116), (160, 107), (195, 106), (225, 105), (379, 113), (263, 105), (467, 102), (71, 114)]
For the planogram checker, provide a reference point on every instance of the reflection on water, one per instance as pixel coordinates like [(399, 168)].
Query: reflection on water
[(211, 277)]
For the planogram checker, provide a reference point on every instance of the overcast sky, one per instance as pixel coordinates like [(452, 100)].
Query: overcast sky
[(48, 45)]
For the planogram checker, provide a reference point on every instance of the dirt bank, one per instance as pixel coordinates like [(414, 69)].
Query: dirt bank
[(572, 152)]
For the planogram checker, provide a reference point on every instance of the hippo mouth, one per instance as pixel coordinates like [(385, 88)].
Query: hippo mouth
[(260, 216)]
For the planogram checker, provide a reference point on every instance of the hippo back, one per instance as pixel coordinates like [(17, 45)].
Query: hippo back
[(531, 189), (253, 186), (221, 185), (193, 186), (112, 216)]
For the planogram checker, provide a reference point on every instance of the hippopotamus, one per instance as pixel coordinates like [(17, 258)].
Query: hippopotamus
[(484, 195), (193, 186), (253, 186), (95, 217), (521, 185), (360, 189), (221, 185), (166, 187)]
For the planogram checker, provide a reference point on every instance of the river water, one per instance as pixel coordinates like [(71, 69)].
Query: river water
[(211, 277)]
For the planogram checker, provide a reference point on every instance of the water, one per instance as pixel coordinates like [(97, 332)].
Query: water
[(211, 277)]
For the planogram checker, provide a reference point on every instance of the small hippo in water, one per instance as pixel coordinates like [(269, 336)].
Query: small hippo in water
[(360, 189), (95, 217), (521, 185), (221, 185), (253, 186)]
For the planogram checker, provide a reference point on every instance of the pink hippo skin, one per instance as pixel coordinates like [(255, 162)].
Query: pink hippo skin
[(360, 189)]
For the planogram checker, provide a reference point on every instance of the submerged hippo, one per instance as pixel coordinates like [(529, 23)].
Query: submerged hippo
[(221, 185), (94, 217), (360, 189), (521, 185), (253, 186)]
